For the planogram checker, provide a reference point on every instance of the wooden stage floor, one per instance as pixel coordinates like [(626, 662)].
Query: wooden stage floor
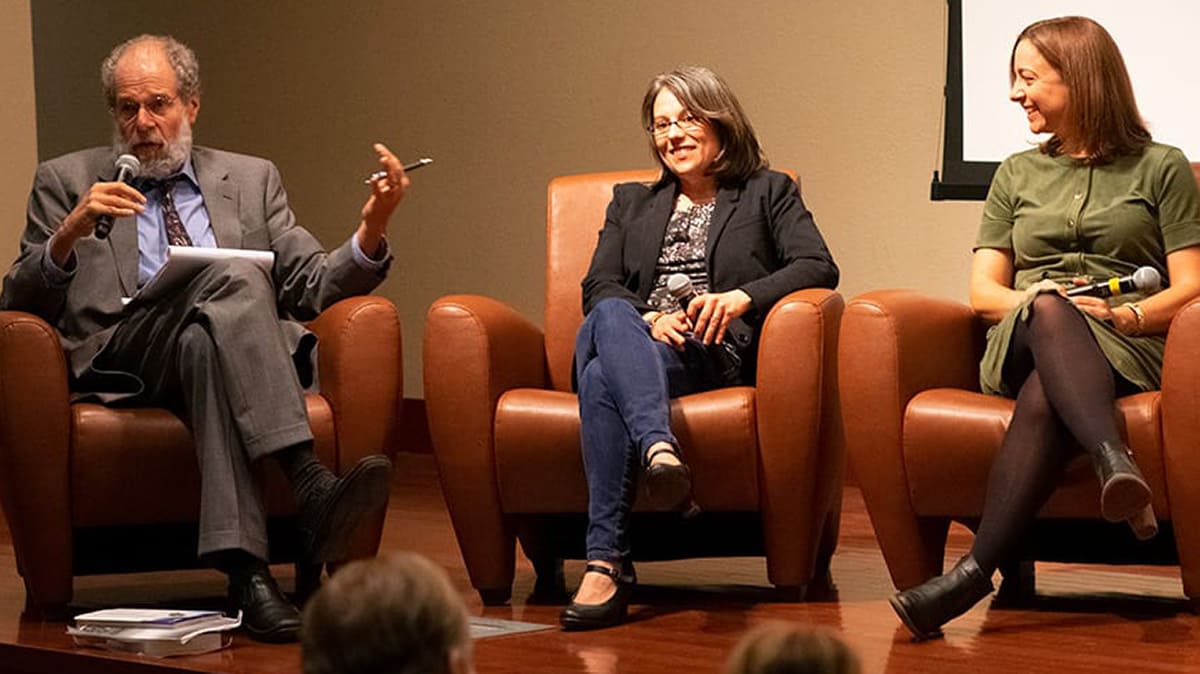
[(686, 615)]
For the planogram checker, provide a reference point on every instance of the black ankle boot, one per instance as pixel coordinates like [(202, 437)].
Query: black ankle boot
[(925, 608), (1123, 490), (595, 616), (1143, 523)]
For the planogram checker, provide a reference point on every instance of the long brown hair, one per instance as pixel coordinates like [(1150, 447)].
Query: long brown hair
[(704, 94), (1102, 113)]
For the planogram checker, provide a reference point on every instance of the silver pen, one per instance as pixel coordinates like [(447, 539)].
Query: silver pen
[(423, 161)]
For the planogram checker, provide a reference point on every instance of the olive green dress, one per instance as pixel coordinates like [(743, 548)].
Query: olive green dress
[(1064, 219)]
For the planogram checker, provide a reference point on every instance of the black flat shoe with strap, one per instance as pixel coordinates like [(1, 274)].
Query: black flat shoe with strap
[(668, 486), (612, 612)]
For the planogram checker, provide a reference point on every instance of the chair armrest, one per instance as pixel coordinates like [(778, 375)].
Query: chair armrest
[(1181, 386), (915, 341), (35, 426), (893, 345), (801, 451), (361, 375), (796, 386), (476, 348), (1181, 435)]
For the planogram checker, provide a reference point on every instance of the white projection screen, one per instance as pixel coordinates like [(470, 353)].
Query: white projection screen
[(982, 126)]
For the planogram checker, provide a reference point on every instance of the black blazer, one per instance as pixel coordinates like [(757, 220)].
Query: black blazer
[(762, 239)]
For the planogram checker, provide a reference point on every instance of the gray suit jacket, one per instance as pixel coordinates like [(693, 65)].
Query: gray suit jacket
[(248, 209)]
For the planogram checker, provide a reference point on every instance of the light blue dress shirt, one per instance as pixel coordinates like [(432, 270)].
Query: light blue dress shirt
[(152, 226)]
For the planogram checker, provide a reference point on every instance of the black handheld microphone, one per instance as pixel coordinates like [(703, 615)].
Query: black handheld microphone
[(1144, 278), (679, 286), (726, 359), (128, 168)]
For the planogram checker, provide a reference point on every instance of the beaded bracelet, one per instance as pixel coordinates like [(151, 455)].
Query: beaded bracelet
[(1139, 318)]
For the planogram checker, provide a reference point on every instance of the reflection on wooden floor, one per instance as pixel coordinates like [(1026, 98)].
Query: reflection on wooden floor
[(687, 615)]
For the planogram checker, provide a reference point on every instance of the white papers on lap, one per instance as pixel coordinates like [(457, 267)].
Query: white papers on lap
[(184, 262)]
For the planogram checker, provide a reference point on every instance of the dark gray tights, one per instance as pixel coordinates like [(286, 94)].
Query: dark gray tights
[(1066, 391)]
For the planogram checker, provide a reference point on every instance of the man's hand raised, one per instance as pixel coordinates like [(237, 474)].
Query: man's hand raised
[(387, 190)]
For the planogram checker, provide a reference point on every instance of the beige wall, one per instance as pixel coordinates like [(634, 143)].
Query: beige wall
[(505, 95), (17, 123)]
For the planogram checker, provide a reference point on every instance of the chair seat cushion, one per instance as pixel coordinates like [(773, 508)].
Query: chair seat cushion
[(165, 487), (951, 436), (539, 467)]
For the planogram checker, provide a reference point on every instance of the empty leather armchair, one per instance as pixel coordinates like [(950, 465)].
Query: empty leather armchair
[(766, 460), (92, 489)]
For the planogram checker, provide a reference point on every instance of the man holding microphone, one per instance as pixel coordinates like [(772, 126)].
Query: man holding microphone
[(224, 350)]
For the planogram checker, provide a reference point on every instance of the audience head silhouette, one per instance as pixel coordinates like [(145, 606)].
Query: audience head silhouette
[(397, 614), (783, 648)]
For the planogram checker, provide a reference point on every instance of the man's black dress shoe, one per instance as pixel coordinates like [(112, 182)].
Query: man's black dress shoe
[(329, 518), (1123, 490), (595, 616), (266, 614), (926, 607), (667, 485)]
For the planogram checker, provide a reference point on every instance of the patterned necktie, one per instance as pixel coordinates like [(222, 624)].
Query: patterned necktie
[(176, 233)]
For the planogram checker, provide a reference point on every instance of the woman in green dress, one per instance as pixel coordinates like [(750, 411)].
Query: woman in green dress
[(1098, 199)]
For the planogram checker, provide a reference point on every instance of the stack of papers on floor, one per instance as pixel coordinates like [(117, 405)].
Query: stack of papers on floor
[(153, 632), (482, 628)]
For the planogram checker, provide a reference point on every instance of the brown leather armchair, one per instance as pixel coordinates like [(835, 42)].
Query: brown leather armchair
[(920, 438), (90, 489), (766, 460)]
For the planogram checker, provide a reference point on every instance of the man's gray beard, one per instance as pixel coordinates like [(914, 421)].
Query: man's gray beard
[(171, 162)]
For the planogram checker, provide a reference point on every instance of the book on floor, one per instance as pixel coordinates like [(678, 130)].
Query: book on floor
[(153, 632)]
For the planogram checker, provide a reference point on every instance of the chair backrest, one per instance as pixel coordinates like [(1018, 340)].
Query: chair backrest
[(1196, 172), (575, 207)]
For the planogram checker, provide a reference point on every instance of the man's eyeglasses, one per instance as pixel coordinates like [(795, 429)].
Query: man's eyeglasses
[(689, 122), (157, 106)]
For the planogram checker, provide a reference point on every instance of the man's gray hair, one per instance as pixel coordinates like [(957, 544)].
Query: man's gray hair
[(182, 59)]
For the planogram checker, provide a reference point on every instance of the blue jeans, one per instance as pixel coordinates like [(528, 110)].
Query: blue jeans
[(626, 379)]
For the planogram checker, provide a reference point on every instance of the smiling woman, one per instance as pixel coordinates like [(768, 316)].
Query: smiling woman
[(1039, 89), (687, 145), (641, 343), (693, 107), (1098, 199)]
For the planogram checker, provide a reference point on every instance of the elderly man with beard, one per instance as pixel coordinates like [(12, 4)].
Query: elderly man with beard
[(224, 350)]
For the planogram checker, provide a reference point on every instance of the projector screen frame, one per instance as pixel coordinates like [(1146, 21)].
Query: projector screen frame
[(959, 180), (980, 127)]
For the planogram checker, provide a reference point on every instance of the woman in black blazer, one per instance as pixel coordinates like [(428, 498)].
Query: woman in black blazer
[(743, 238)]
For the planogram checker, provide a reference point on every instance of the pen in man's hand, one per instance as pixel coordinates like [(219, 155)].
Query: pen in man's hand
[(423, 161)]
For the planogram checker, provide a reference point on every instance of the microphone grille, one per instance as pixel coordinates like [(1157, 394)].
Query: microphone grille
[(1147, 278), (129, 163), (679, 285)]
